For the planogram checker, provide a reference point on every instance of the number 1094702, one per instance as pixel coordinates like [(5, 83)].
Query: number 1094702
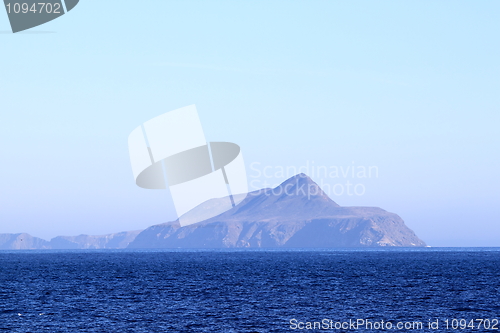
[(36, 8)]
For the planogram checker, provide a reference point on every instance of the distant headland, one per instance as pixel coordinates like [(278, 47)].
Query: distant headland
[(295, 214)]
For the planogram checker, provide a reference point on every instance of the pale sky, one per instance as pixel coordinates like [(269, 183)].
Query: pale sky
[(409, 87)]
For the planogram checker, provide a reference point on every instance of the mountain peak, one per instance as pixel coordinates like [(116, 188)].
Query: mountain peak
[(295, 197), (297, 213), (301, 178), (300, 185)]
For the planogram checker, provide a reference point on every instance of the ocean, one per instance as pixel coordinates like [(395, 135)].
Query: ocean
[(340, 290)]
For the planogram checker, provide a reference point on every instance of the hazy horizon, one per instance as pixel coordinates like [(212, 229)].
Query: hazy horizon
[(407, 89)]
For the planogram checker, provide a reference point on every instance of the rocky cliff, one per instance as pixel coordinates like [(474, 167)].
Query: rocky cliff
[(27, 242), (295, 214), (22, 241), (112, 241)]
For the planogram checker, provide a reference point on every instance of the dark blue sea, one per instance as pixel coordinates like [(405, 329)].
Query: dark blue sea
[(446, 290)]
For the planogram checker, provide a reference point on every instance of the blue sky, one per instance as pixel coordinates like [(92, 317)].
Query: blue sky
[(409, 87)]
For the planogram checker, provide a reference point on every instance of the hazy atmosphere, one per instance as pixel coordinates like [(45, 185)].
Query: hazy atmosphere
[(394, 105)]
